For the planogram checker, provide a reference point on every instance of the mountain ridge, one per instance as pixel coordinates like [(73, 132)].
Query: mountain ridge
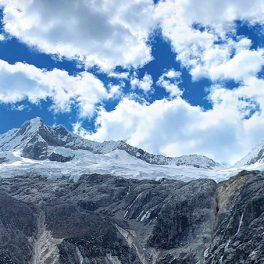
[(38, 148), (34, 138)]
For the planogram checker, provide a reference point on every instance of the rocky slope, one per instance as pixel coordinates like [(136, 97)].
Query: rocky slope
[(105, 219)]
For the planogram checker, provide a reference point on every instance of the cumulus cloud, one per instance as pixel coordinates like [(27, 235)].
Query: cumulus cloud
[(107, 33), (119, 75), (243, 65), (201, 36), (23, 81), (115, 90), (104, 33), (171, 127), (174, 127), (115, 33), (144, 84), (170, 81)]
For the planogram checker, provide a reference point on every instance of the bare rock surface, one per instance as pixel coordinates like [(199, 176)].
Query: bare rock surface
[(107, 219)]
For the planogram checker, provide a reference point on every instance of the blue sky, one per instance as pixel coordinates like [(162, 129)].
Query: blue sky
[(167, 76)]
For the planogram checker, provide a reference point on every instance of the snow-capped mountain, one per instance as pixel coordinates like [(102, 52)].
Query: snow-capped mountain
[(53, 151), (254, 157), (56, 217), (92, 216), (35, 140)]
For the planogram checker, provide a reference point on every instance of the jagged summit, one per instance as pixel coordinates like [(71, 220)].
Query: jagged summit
[(36, 121), (36, 140)]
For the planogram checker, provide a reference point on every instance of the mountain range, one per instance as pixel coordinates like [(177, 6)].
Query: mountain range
[(35, 145), (65, 199), (36, 141)]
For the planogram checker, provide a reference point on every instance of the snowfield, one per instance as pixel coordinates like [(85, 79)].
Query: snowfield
[(117, 162)]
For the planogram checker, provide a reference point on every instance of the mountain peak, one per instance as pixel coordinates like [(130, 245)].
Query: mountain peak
[(32, 125), (36, 140), (36, 121), (27, 139), (256, 155)]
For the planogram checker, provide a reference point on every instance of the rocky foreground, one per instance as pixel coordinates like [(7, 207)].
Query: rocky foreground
[(106, 219)]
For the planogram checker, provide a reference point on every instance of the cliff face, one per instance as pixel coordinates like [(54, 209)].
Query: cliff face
[(106, 219), (238, 232)]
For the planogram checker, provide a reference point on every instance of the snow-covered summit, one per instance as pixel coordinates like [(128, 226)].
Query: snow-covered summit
[(195, 160), (255, 156), (36, 140), (19, 138)]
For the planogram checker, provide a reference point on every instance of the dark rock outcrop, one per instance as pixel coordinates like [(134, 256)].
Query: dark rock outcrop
[(60, 158), (2, 160)]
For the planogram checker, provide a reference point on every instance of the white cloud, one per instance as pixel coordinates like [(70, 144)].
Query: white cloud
[(104, 33), (119, 75), (209, 51), (174, 127), (23, 81), (243, 65), (109, 33), (2, 37), (144, 84), (18, 107), (208, 12), (170, 81), (78, 129), (115, 90)]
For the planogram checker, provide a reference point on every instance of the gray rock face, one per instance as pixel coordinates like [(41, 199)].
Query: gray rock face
[(238, 236), (2, 160), (58, 157), (17, 227), (35, 149), (106, 219)]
